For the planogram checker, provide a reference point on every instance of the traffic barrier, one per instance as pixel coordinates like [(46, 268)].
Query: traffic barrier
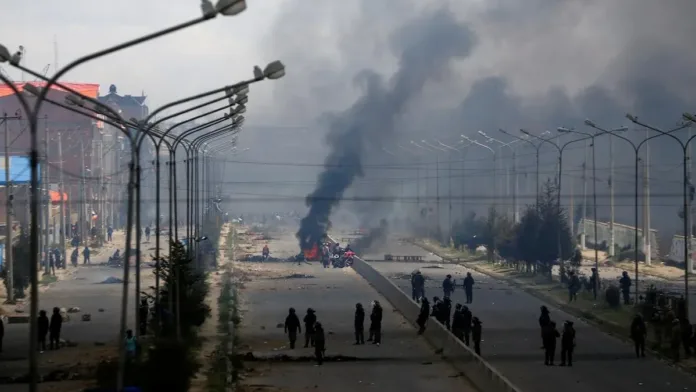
[(476, 369)]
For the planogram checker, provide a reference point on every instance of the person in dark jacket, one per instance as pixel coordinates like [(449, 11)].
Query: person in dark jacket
[(594, 282), (54, 329), (446, 312), (359, 324), (292, 327), (639, 332), (544, 321), (447, 286), (625, 286), (467, 320), (469, 288), (376, 324), (476, 334), (2, 332), (457, 322), (423, 316), (417, 286), (309, 320), (319, 343), (573, 286), (43, 330), (144, 314), (86, 253), (567, 343), (550, 335)]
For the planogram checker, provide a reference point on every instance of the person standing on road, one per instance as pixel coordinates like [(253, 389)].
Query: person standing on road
[(544, 321), (85, 254), (292, 327), (43, 330), (359, 324), (54, 329), (59, 262), (418, 286), (594, 282), (2, 331), (573, 287), (52, 263), (423, 316), (567, 343), (447, 312), (309, 320), (447, 286), (376, 323), (550, 335), (73, 257), (467, 320), (131, 345), (639, 333), (319, 343), (109, 234), (625, 285), (477, 331), (457, 322), (469, 288)]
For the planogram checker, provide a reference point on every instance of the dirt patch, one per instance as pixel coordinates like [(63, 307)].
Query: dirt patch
[(295, 276), (111, 280)]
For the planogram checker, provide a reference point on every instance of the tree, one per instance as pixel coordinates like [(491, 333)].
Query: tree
[(193, 289), (469, 232), (540, 230), (20, 271)]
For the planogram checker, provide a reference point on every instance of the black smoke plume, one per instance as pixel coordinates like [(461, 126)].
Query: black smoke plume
[(424, 47)]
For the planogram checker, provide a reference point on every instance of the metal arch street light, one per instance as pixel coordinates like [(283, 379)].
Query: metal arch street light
[(685, 180), (537, 148), (495, 160), (437, 176), (437, 181), (515, 212), (418, 184), (449, 180)]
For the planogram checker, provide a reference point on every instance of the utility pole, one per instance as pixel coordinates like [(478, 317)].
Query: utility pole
[(62, 201), (102, 186), (689, 201), (515, 175), (83, 196), (583, 233), (571, 210), (449, 190), (647, 248), (8, 217), (612, 234), (47, 199)]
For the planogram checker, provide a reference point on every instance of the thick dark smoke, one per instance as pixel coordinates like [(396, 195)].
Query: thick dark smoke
[(425, 47)]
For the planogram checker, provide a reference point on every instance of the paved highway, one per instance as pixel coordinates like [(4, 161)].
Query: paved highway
[(511, 336), (403, 362)]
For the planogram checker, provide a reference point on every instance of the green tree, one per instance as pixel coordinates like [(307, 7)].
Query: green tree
[(469, 232), (192, 287), (20, 271)]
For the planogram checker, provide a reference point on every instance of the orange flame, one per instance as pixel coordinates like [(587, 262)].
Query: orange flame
[(311, 254)]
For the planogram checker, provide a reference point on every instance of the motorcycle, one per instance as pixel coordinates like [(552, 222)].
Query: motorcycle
[(348, 258)]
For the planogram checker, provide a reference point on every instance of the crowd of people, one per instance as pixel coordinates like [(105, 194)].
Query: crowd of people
[(314, 331)]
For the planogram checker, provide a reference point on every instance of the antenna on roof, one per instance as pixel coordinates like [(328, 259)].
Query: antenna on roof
[(55, 53)]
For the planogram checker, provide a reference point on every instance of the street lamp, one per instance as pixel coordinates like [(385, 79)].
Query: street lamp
[(495, 159), (449, 181), (418, 185), (537, 148), (685, 184), (437, 180), (509, 145)]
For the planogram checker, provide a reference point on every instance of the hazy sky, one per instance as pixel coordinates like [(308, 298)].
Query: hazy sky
[(536, 64)]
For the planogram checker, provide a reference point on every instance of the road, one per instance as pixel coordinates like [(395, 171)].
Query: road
[(511, 336), (82, 288), (404, 362)]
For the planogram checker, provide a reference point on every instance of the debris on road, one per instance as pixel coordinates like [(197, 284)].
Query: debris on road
[(74, 309), (112, 280), (295, 276), (87, 317)]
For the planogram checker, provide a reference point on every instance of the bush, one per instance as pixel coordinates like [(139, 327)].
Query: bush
[(170, 366), (613, 296)]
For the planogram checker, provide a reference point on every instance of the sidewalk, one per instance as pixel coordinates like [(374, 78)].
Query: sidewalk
[(403, 361)]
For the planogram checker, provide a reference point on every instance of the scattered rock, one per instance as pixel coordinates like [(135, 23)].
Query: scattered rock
[(19, 309), (112, 280), (87, 317), (100, 310), (74, 309), (70, 343), (263, 328), (433, 267), (280, 325)]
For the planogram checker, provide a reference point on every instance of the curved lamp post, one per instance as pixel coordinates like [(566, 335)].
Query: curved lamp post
[(515, 212), (537, 148)]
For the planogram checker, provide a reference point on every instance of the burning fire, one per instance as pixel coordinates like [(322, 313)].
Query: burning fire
[(311, 254)]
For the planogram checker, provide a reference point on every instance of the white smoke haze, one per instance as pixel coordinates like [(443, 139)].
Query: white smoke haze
[(535, 65)]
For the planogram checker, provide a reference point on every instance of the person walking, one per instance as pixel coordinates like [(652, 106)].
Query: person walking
[(544, 321), (85, 253), (131, 344), (457, 322), (477, 331), (292, 327), (567, 343), (467, 321), (447, 286), (319, 343), (43, 330), (625, 286), (423, 316), (639, 333), (109, 234), (309, 320), (550, 336), (359, 324), (469, 288), (376, 323), (54, 329)]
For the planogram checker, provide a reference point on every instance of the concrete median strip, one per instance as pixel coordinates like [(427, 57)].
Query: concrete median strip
[(477, 370)]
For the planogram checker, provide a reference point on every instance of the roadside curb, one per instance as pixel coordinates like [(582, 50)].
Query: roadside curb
[(606, 327)]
